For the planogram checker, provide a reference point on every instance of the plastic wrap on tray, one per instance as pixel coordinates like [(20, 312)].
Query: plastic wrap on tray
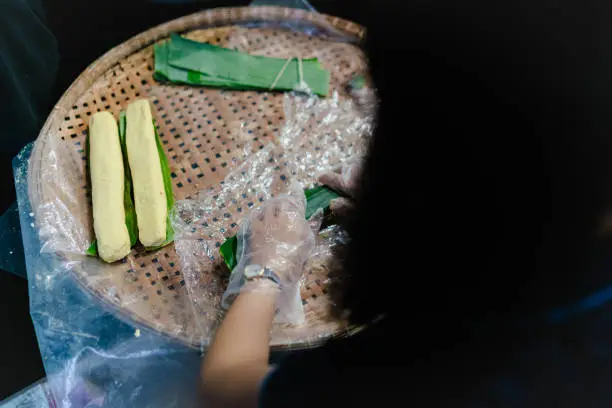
[(93, 358), (108, 333), (319, 135)]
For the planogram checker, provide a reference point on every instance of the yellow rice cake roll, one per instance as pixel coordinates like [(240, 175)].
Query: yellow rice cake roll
[(107, 184), (147, 179)]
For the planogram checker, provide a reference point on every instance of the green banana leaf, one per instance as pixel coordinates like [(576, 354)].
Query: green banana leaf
[(249, 69), (166, 72), (130, 210), (228, 251), (128, 203), (317, 198), (190, 62), (165, 168), (192, 45)]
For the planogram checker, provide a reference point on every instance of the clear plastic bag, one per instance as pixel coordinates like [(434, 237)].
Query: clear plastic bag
[(92, 357)]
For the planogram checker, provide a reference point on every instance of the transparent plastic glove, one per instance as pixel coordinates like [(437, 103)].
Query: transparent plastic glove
[(345, 180), (275, 236)]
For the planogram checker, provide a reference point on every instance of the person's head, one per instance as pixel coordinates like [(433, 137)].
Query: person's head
[(490, 168)]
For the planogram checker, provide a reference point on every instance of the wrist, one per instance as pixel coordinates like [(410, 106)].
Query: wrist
[(262, 286), (260, 272)]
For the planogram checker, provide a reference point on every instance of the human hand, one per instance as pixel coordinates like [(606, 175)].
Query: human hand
[(277, 237), (344, 180)]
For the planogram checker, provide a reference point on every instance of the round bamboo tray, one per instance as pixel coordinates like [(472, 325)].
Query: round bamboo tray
[(195, 125)]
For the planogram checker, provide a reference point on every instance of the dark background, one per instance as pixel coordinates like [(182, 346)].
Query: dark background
[(84, 30)]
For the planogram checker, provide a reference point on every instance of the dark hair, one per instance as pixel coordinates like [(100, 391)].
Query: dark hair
[(489, 171)]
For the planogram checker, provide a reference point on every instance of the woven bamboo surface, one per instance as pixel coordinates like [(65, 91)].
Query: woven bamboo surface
[(201, 130)]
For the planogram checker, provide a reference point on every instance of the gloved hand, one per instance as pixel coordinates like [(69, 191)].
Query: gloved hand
[(277, 237), (345, 180)]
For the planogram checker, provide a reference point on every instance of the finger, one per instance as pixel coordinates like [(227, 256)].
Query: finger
[(341, 206), (316, 220), (334, 181), (290, 206), (261, 215), (293, 197), (269, 220), (351, 174)]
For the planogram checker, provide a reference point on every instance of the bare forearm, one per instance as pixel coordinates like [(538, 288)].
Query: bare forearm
[(245, 332), (279, 240), (237, 360)]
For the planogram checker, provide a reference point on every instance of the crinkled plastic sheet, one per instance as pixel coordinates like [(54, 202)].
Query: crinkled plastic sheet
[(92, 358), (96, 356), (319, 135)]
